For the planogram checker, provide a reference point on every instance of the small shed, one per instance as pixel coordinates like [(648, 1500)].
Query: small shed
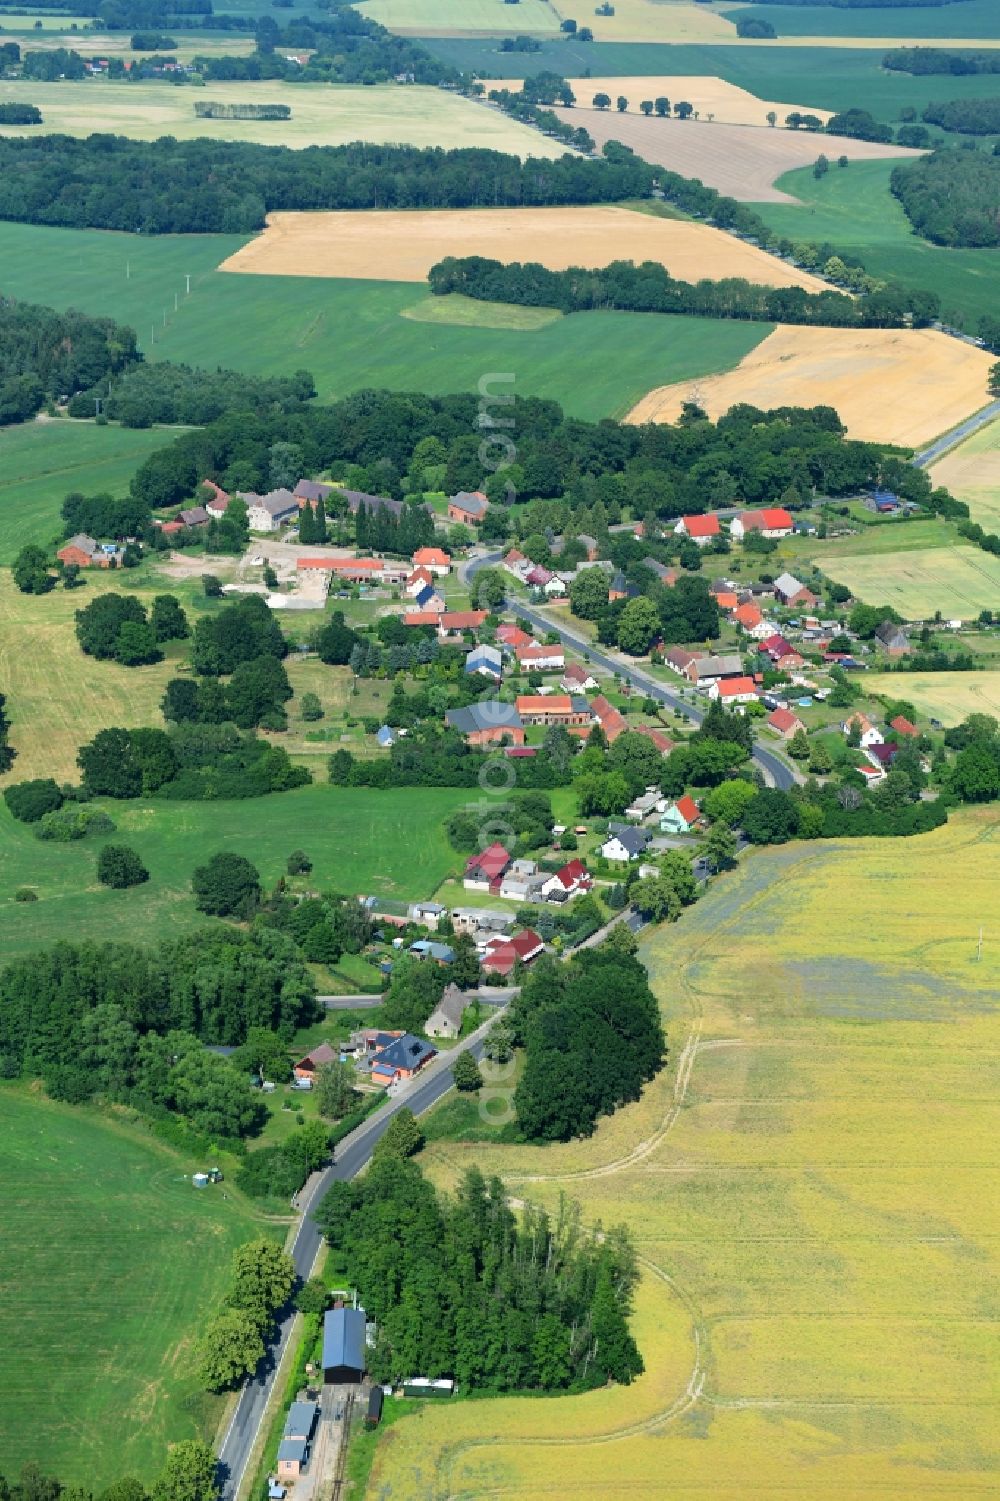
[(374, 1414), (421, 1386), (344, 1345)]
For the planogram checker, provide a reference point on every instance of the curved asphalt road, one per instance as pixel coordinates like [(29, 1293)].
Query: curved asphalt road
[(772, 765), (351, 1156)]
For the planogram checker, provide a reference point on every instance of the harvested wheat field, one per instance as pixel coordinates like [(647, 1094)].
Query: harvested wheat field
[(403, 245), (949, 696), (726, 102), (889, 385), (811, 1188), (742, 161), (972, 473)]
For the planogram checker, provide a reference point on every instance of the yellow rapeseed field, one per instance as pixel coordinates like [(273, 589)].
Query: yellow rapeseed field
[(811, 1185)]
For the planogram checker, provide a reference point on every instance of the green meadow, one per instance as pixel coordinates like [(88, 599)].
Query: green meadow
[(352, 334), (853, 208), (41, 462), (360, 840), (109, 1263), (966, 19)]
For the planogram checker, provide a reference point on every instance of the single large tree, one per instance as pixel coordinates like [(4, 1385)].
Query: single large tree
[(227, 886)]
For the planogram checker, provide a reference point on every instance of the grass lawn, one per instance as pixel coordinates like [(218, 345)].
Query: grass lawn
[(947, 696), (466, 312), (854, 210), (110, 1263), (958, 581), (41, 462), (533, 16), (809, 1183), (360, 840), (352, 334)]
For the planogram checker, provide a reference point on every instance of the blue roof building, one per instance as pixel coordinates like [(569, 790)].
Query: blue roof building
[(487, 660), (344, 1355)]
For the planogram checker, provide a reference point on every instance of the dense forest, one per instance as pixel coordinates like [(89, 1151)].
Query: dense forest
[(978, 117), (592, 1038), (205, 186), (130, 1023), (952, 197), (928, 60), (649, 288), (459, 1286), (344, 46), (45, 355), (147, 394)]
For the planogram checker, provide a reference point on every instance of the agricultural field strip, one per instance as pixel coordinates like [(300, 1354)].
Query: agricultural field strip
[(695, 1047), (403, 245)]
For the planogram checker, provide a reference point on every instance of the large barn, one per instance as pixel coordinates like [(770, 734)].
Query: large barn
[(344, 1345)]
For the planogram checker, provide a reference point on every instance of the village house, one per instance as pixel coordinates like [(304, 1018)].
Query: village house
[(624, 843), (681, 816), (419, 580), (434, 559), (663, 742), (501, 954), (788, 591), (522, 882), (468, 507), (700, 529), (293, 1450), (452, 624), (868, 733), (882, 754), (892, 639), (84, 552), (540, 658), (485, 660), (611, 720), (489, 722), (751, 620), (440, 954), (679, 660), (742, 690), (572, 880), (903, 726), (577, 679), (553, 708), (785, 722), (512, 636), (516, 563), (400, 1060), (555, 586), (427, 913), (667, 576), (650, 801), (309, 1066), (427, 601), (193, 517), (480, 922), (590, 543), (483, 872), (218, 504), (309, 493), (268, 513), (703, 671), (447, 1017), (773, 522), (726, 599)]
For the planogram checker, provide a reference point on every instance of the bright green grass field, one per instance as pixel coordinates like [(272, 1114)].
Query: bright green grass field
[(966, 19), (853, 208), (351, 334), (829, 77), (109, 1263), (41, 462), (533, 16), (360, 840)]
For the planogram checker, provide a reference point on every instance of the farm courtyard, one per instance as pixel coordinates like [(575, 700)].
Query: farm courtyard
[(811, 1186)]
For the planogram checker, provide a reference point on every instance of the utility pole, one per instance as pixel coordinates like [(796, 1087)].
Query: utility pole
[(979, 947), (175, 302), (128, 270), (187, 278)]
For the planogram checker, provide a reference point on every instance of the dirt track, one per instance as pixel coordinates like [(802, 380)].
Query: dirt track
[(890, 385), (742, 161), (402, 246)]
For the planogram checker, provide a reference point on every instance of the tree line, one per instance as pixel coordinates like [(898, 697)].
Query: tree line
[(45, 355), (980, 117), (649, 288), (461, 1287), (952, 197), (206, 186), (20, 114), (130, 1024), (190, 1473), (922, 61), (143, 395)]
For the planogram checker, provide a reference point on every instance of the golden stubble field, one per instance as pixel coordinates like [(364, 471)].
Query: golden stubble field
[(401, 245), (726, 102), (811, 1185), (889, 385)]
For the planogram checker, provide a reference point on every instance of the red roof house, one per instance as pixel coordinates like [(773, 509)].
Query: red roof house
[(902, 725), (501, 954), (785, 722), (512, 635), (700, 529), (484, 870)]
